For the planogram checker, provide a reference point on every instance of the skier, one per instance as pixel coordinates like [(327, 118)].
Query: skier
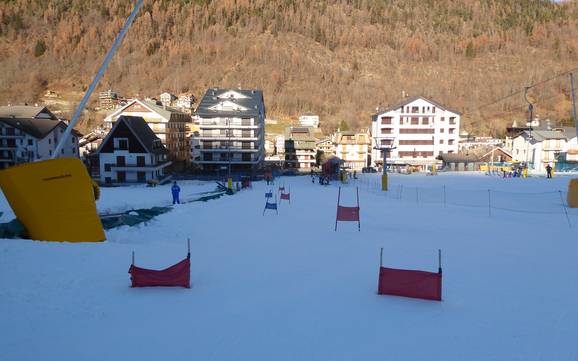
[(548, 171), (175, 189)]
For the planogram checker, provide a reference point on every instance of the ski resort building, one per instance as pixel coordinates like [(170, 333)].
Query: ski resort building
[(419, 129), (232, 129), (167, 123), (31, 133), (131, 153)]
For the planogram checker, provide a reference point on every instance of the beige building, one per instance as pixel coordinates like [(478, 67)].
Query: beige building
[(354, 148), (300, 148)]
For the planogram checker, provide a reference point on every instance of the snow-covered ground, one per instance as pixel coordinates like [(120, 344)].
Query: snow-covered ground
[(288, 287)]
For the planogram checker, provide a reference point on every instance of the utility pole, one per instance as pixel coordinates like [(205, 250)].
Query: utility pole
[(530, 118), (229, 152), (574, 102)]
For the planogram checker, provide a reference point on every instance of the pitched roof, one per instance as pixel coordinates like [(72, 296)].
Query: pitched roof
[(251, 100), (26, 111), (164, 111), (457, 157), (142, 132), (408, 100), (540, 135), (35, 121)]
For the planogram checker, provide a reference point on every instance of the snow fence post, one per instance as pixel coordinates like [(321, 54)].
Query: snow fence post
[(444, 195), (564, 208), (489, 203)]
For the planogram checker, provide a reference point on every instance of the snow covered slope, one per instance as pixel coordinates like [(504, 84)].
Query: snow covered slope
[(288, 287)]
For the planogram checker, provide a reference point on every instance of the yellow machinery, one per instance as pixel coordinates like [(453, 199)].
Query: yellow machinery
[(54, 200), (573, 193), (384, 182)]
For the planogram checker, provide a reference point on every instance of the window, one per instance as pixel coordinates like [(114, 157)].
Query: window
[(107, 180), (414, 121), (120, 161), (441, 141), (451, 142), (442, 130), (425, 120), (140, 161), (141, 176), (415, 109), (443, 119), (107, 167), (416, 131), (452, 130), (121, 144), (386, 141), (246, 157), (386, 120), (386, 130), (49, 141), (452, 120), (9, 131), (29, 141)]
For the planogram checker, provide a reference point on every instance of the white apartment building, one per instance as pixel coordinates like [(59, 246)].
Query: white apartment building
[(232, 129), (418, 128), (167, 99), (31, 133), (309, 120)]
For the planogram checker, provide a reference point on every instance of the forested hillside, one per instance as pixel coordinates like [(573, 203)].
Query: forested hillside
[(338, 58)]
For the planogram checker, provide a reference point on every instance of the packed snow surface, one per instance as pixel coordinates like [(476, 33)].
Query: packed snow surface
[(288, 287)]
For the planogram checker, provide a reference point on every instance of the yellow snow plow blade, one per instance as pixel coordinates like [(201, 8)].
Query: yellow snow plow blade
[(54, 200), (573, 193)]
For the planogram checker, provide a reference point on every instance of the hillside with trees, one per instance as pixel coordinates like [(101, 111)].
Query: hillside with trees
[(340, 59)]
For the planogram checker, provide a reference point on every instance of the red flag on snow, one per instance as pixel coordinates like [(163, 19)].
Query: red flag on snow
[(410, 283), (178, 275)]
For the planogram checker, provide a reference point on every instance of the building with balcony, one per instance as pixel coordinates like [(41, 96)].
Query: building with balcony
[(353, 148), (30, 133), (300, 148), (232, 129), (538, 148), (131, 153), (418, 128), (169, 124)]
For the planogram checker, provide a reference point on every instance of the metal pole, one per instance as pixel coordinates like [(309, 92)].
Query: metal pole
[(489, 203), (439, 261), (565, 210), (97, 77), (381, 257), (229, 145), (574, 102)]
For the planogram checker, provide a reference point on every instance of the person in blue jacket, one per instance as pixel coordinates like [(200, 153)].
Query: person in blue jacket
[(175, 189)]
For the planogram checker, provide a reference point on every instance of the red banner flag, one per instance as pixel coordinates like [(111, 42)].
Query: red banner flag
[(285, 196), (409, 283), (177, 275), (347, 214)]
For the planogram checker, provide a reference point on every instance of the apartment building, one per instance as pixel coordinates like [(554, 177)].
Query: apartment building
[(353, 148), (31, 133), (539, 148), (419, 129), (232, 129), (300, 148)]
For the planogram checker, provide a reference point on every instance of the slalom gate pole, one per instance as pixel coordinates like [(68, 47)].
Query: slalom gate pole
[(565, 209), (188, 247), (358, 211), (337, 215), (439, 261), (381, 257), (133, 258)]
